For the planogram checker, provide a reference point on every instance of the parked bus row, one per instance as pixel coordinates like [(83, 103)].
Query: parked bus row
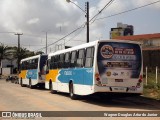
[(106, 66)]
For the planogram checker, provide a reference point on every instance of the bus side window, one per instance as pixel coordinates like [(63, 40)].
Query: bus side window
[(61, 61), (51, 62), (30, 64), (89, 57), (73, 59), (67, 60), (35, 63), (56, 60), (48, 62), (80, 58), (27, 65), (22, 66)]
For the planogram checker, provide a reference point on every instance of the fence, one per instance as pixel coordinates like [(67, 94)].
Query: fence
[(152, 76)]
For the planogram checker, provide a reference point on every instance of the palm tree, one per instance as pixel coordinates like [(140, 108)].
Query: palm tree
[(3, 54), (23, 53), (3, 49), (11, 53)]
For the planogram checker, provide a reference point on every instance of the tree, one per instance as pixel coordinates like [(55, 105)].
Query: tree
[(23, 53), (3, 50), (39, 53), (11, 53)]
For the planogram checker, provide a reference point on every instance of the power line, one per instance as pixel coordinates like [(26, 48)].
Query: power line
[(63, 37), (83, 25), (109, 3), (74, 36), (129, 10), (67, 34)]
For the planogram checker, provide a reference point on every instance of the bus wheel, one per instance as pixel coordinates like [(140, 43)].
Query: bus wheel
[(51, 88), (71, 92), (21, 83), (30, 84)]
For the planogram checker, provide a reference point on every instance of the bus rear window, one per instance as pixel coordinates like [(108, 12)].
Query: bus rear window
[(124, 57)]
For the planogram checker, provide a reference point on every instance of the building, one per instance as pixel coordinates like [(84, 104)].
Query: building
[(8, 66), (121, 30), (148, 41), (150, 46)]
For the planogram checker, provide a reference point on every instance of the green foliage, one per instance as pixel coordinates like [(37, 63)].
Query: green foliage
[(3, 50), (152, 86), (152, 90), (151, 79), (11, 53)]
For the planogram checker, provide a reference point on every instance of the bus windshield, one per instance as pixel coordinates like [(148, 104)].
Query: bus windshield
[(43, 62), (119, 60)]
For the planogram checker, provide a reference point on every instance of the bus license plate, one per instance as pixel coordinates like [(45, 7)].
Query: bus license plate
[(133, 89), (119, 89), (118, 80)]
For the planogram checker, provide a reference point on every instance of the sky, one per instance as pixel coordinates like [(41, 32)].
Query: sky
[(57, 18)]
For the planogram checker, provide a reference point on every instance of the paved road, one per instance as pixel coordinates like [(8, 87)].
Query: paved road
[(13, 97)]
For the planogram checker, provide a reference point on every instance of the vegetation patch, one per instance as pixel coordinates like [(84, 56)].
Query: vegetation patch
[(152, 93), (152, 90)]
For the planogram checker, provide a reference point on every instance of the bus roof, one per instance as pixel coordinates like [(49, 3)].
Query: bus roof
[(90, 44), (33, 57)]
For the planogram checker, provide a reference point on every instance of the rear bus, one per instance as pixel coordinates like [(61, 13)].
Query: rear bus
[(118, 67)]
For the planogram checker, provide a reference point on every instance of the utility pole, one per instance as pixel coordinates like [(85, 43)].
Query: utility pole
[(87, 23), (86, 11), (18, 63)]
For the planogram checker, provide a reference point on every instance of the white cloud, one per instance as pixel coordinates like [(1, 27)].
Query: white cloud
[(11, 13), (33, 21), (60, 18)]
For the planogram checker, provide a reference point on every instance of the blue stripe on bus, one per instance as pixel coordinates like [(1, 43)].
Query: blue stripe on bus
[(32, 74), (83, 76)]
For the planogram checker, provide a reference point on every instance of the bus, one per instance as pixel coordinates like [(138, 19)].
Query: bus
[(31, 71), (102, 66)]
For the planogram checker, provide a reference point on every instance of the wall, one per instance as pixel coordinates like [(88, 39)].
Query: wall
[(151, 58), (6, 62), (6, 71)]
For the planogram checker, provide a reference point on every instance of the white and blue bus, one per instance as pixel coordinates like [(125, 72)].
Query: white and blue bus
[(32, 72), (108, 66)]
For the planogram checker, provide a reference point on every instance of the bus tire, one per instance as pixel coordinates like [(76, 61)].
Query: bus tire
[(30, 84), (21, 83), (71, 92), (51, 88)]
